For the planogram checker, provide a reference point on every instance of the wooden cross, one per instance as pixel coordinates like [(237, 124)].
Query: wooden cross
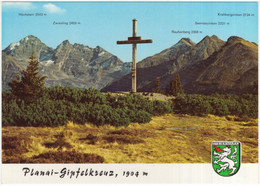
[(134, 40)]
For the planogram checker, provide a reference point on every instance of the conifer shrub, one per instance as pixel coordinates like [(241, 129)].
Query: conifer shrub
[(42, 112), (121, 117), (133, 102), (58, 105), (75, 95), (139, 116), (138, 102), (105, 114), (160, 108), (217, 104), (192, 104)]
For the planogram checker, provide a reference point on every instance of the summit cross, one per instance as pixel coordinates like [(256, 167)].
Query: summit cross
[(134, 40)]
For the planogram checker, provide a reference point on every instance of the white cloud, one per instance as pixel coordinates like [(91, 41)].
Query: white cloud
[(18, 5), (51, 8)]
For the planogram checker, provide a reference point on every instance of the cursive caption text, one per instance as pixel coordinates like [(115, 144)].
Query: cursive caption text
[(88, 172)]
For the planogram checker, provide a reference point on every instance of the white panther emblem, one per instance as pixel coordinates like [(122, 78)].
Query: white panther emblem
[(223, 157)]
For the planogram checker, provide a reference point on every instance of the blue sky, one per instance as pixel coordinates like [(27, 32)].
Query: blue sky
[(104, 23)]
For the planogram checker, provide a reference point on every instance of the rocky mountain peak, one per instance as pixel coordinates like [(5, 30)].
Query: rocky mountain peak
[(233, 39), (31, 37), (207, 39), (207, 46), (186, 41), (98, 49), (214, 37), (64, 45), (23, 48), (234, 68), (66, 42), (29, 40)]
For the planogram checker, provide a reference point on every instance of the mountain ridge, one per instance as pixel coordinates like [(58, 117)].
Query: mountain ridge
[(196, 65), (68, 64), (206, 67)]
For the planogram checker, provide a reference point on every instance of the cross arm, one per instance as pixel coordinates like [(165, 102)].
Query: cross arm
[(135, 41)]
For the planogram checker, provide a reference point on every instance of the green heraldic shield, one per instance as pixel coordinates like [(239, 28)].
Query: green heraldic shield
[(226, 157)]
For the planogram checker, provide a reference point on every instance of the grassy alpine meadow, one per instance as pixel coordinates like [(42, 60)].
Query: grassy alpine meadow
[(170, 138)]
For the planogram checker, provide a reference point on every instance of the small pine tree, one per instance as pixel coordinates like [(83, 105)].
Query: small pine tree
[(179, 88), (30, 84), (175, 87), (158, 85)]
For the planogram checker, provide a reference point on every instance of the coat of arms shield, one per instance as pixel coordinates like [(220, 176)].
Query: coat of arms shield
[(226, 157)]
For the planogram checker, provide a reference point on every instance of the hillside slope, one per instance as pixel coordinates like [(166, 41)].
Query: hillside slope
[(210, 66)]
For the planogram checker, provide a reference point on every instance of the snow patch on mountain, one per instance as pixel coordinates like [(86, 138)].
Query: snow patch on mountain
[(25, 39), (48, 62), (101, 53), (14, 46)]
